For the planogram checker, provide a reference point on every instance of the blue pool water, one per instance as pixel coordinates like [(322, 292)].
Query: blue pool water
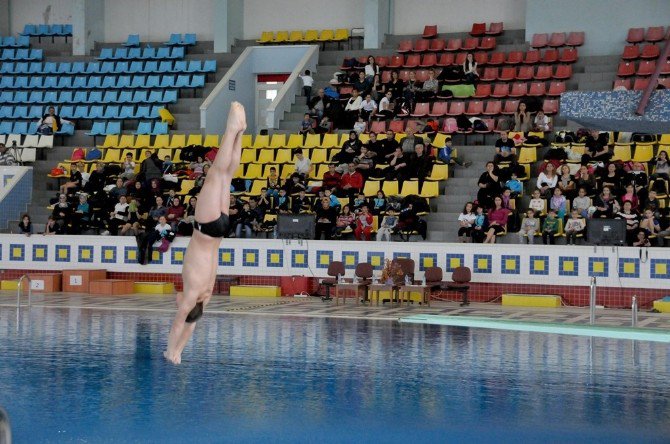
[(73, 375)]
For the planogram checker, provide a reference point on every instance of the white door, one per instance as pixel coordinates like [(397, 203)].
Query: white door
[(265, 94)]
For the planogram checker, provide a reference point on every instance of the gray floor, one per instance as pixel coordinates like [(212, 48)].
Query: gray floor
[(314, 307)]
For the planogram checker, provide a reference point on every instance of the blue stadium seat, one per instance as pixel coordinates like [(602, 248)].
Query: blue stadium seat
[(66, 130), (64, 97), (56, 29), (7, 68), (23, 41), (138, 82), (20, 112), (111, 112), (50, 97), (36, 82), (35, 112), (67, 29), (50, 82), (21, 97), (143, 128), (35, 68), (110, 97), (113, 128), (167, 81), (177, 52), (94, 82), (21, 67), (22, 54), (8, 54), (175, 39), (120, 54), (189, 39), (6, 82), (20, 128), (155, 111), (149, 53), (80, 97), (182, 81), (155, 96), (66, 111), (79, 82), (80, 112), (6, 112), (133, 40), (78, 68), (134, 54), (165, 67), (107, 68), (140, 96), (64, 68), (6, 127), (143, 112), (93, 68), (44, 31), (170, 96), (121, 67), (152, 82), (180, 66), (135, 67), (96, 112), (122, 82), (36, 97), (21, 82), (32, 128), (8, 42), (98, 129), (125, 96), (162, 53), (106, 54), (6, 96), (150, 67), (29, 30), (36, 54), (160, 128), (198, 81), (94, 97), (194, 66), (127, 112)]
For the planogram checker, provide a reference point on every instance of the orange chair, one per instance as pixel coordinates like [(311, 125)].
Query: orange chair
[(439, 109), (500, 90), (568, 55), (497, 59), (437, 45), (519, 89), (575, 38), (631, 52), (421, 45), (495, 28), (532, 57), (482, 91), (446, 59), (537, 89), (454, 45), (514, 57), (646, 67), (493, 108), (539, 41), (487, 44), (626, 69), (563, 72), (478, 29), (635, 35), (550, 56), (557, 39), (655, 34), (470, 44), (650, 51), (556, 88), (429, 32), (405, 46)]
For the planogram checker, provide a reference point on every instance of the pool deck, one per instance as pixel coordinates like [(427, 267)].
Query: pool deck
[(314, 307)]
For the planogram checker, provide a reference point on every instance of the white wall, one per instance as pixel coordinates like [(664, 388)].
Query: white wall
[(457, 15), (155, 20), (262, 15), (38, 12), (606, 22)]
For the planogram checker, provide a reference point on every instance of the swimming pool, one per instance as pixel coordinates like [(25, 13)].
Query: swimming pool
[(98, 376)]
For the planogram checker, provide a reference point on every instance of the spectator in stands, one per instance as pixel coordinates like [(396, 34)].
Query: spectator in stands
[(396, 86), (470, 74), (489, 186), (303, 166), (379, 203), (529, 226), (175, 212), (161, 231), (51, 123), (408, 142), (307, 82), (74, 184), (118, 217), (351, 183), (348, 151), (606, 204), (514, 185), (25, 226), (397, 165), (386, 109), (97, 180), (478, 232), (156, 211), (387, 226), (497, 217), (352, 109), (420, 164), (446, 155), (558, 203), (613, 179), (505, 149), (541, 122), (273, 183), (547, 181), (466, 221), (375, 146), (642, 240), (586, 180), (428, 90), (139, 192), (377, 89), (522, 119), (325, 220), (198, 165), (371, 69), (359, 201), (331, 178), (244, 222), (132, 227), (368, 108), (345, 220), (639, 179), (324, 126), (364, 161), (151, 168), (319, 105), (661, 168), (52, 227), (334, 201), (306, 125), (537, 203), (282, 202), (430, 129), (630, 196), (550, 228), (82, 214), (185, 226), (388, 146), (6, 158), (62, 211), (117, 190), (294, 184), (364, 226), (301, 203), (650, 225), (596, 147), (566, 182), (265, 201), (410, 222), (574, 227), (411, 88), (361, 84), (360, 125)]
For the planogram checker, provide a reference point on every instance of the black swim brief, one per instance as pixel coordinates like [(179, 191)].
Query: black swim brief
[(195, 314), (215, 228)]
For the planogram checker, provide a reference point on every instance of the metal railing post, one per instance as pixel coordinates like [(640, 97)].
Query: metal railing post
[(18, 298), (634, 312), (592, 301), (5, 428)]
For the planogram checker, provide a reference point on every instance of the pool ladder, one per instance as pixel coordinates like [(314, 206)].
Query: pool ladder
[(5, 428), (18, 299)]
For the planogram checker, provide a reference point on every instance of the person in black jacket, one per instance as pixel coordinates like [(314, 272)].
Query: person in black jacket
[(51, 122), (325, 220)]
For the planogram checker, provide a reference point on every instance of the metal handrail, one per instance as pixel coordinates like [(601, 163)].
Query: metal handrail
[(18, 291), (5, 428)]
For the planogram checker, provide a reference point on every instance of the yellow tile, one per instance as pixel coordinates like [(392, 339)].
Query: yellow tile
[(324, 259), (661, 268), (179, 256), (428, 262), (349, 260), (132, 255), (300, 258), (454, 262), (599, 267), (482, 263), (39, 253), (62, 253), (109, 254), (274, 258), (16, 252), (375, 261), (629, 267), (510, 264), (226, 256), (569, 266), (251, 257), (539, 265), (86, 254), (156, 256)]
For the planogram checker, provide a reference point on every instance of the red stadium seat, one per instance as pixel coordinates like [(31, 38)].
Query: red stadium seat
[(421, 45), (439, 109), (500, 90), (635, 35), (557, 39), (429, 32), (549, 56), (470, 44), (456, 108), (626, 69), (475, 108), (539, 41), (543, 72), (454, 45), (519, 89), (510, 106), (397, 126), (537, 89), (382, 61), (625, 83), (550, 106), (497, 58), (378, 126), (403, 75), (482, 91), (460, 58), (532, 57), (487, 44), (556, 88), (437, 45), (482, 58), (449, 126), (429, 60), (412, 61), (665, 67), (493, 108), (495, 28), (650, 51), (575, 38), (525, 73), (631, 52), (563, 72), (655, 34), (386, 76), (405, 46), (421, 75), (641, 83), (568, 55), (421, 110), (490, 74), (396, 61), (514, 57), (478, 29), (446, 59), (507, 74), (665, 81), (646, 68)]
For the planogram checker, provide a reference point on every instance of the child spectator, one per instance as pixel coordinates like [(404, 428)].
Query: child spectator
[(629, 196), (303, 165), (529, 226), (582, 203), (360, 126), (558, 203), (541, 122), (128, 168), (642, 239), (359, 202), (387, 226), (479, 226), (537, 203), (346, 219), (650, 225), (26, 226), (550, 228), (632, 221), (574, 226), (514, 185), (273, 183), (446, 155), (307, 82), (379, 203), (52, 227), (306, 125), (363, 229), (466, 221)]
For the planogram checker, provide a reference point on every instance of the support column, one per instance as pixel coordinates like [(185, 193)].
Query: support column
[(228, 25), (4, 18), (377, 22), (88, 25)]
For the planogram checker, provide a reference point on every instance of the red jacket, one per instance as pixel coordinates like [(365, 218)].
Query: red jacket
[(368, 220), (354, 179)]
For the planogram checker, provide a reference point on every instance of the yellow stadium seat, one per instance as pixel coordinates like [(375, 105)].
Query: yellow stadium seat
[(327, 35), (111, 141), (277, 141), (318, 155), (329, 141), (281, 37), (142, 141), (284, 156), (261, 141), (364, 138), (311, 141), (186, 186), (126, 141), (577, 148), (430, 189), (177, 141), (311, 35), (164, 152), (266, 156), (341, 35), (256, 187), (176, 156), (527, 155), (621, 153), (294, 141), (239, 172), (371, 187), (539, 134), (318, 172), (166, 116), (266, 37), (287, 170), (246, 140), (390, 188), (295, 37), (253, 171), (665, 139), (440, 140), (410, 187), (161, 141), (248, 156), (266, 169), (211, 140), (133, 153), (440, 172), (194, 139), (644, 152), (111, 156), (343, 139)]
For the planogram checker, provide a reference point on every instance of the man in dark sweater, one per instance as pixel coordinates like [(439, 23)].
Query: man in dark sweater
[(325, 220)]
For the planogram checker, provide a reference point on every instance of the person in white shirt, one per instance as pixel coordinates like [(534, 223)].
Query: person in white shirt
[(371, 69), (307, 82), (118, 217), (352, 109), (368, 108), (302, 164), (541, 122), (51, 122), (547, 181), (385, 108)]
